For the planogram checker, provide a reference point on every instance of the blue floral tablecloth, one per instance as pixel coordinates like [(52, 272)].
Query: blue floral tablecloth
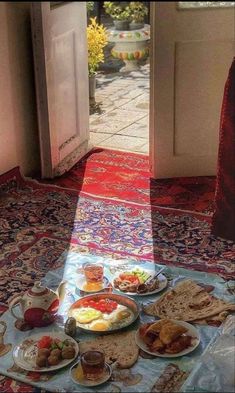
[(142, 376)]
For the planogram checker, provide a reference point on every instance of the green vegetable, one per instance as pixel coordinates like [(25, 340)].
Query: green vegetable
[(142, 275), (54, 346)]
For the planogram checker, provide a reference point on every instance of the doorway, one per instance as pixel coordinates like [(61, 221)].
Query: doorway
[(119, 113)]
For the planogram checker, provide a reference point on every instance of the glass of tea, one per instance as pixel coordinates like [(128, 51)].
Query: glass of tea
[(94, 272), (93, 364)]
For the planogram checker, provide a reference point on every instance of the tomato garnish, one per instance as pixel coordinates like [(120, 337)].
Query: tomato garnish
[(45, 342), (129, 277), (103, 305)]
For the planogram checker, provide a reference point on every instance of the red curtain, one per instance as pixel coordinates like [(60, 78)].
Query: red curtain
[(223, 222)]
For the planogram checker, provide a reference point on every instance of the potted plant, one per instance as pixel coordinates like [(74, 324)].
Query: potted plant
[(90, 6), (119, 12), (138, 11), (96, 40)]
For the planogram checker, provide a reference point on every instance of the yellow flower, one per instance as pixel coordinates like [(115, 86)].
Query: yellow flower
[(97, 40)]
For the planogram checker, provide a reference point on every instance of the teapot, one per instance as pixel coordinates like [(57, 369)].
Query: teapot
[(39, 304)]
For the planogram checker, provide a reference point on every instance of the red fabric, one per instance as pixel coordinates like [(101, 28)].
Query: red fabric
[(223, 222), (126, 176)]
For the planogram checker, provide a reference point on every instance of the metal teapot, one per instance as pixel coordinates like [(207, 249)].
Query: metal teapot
[(39, 304)]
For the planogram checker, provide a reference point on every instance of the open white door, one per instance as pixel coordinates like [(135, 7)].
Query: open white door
[(192, 51), (61, 74)]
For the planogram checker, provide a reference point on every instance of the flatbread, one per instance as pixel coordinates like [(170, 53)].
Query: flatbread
[(170, 380), (118, 347), (188, 302)]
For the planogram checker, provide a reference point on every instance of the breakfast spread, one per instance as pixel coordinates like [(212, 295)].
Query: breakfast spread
[(165, 336), (135, 281), (101, 315), (51, 352), (188, 301), (118, 347), (106, 312)]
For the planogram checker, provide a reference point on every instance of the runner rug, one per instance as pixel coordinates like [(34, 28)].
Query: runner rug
[(126, 176)]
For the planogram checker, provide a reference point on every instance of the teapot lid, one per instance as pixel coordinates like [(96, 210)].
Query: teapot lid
[(38, 290)]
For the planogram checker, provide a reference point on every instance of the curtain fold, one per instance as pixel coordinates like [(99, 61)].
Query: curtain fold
[(223, 221)]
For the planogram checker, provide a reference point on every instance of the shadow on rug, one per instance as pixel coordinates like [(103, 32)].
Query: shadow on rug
[(125, 176)]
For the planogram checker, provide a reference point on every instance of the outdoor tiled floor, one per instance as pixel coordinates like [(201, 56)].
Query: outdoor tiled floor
[(119, 117)]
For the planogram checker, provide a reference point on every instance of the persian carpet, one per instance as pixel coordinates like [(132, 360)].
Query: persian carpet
[(40, 223), (125, 176), (223, 223)]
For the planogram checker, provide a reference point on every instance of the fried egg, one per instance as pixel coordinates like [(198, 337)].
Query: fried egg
[(121, 315), (114, 316), (100, 325), (85, 315)]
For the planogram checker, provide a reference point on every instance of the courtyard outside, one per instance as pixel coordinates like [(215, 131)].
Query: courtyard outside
[(119, 114)]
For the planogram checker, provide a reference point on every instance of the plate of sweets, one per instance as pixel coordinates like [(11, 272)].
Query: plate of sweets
[(167, 338), (45, 352), (139, 282)]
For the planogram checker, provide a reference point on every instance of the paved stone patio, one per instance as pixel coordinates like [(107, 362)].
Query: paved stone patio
[(119, 116)]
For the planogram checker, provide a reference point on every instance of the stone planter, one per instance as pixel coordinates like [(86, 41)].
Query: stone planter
[(121, 24), (130, 46), (92, 86), (136, 25)]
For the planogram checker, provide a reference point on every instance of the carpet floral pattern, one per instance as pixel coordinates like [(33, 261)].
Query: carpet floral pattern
[(40, 223), (126, 176)]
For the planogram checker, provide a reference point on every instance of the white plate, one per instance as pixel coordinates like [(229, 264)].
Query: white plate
[(80, 282), (192, 331), (86, 382), (162, 284), (25, 353)]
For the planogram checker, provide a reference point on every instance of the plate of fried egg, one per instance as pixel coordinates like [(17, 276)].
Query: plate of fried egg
[(104, 312)]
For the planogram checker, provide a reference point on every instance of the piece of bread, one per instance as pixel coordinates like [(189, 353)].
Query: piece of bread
[(170, 332), (118, 347), (157, 345), (156, 327), (188, 301)]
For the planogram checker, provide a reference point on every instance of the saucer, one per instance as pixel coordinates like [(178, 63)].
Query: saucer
[(80, 284), (81, 380)]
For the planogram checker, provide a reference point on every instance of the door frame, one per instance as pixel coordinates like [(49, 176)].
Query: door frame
[(153, 87)]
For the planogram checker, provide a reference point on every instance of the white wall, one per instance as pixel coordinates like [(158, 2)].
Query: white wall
[(18, 122)]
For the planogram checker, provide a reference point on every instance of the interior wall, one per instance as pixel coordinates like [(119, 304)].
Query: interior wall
[(19, 144)]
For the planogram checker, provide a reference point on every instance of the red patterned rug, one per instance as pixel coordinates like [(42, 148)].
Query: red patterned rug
[(39, 224), (125, 176)]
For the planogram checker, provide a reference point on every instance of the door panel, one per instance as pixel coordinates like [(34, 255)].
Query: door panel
[(61, 73), (192, 52)]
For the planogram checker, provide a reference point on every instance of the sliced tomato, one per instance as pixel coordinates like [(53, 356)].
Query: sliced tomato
[(129, 277), (91, 303), (45, 342)]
